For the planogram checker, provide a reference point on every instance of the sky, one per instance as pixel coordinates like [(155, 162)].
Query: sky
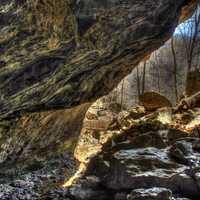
[(184, 26)]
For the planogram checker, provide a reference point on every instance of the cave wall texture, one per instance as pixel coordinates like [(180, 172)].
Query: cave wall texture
[(59, 56)]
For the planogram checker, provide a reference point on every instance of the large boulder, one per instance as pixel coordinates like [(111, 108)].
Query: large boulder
[(146, 168), (176, 169), (153, 101)]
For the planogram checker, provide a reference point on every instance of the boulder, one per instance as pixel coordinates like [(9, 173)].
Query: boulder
[(183, 152), (123, 119), (93, 139), (173, 135), (149, 139), (153, 101), (145, 168), (150, 194)]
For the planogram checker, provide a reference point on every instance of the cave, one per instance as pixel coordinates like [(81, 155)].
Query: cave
[(66, 131)]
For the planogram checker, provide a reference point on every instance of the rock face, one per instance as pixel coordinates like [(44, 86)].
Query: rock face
[(27, 143), (55, 57), (34, 76), (143, 154), (136, 158), (146, 168), (150, 194)]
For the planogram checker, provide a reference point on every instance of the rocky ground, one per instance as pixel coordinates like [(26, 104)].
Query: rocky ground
[(130, 155), (35, 184), (145, 155)]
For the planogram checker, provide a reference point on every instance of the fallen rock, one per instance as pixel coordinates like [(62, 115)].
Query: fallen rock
[(145, 168), (153, 101), (139, 168), (150, 194), (88, 189), (189, 102), (122, 119), (149, 139), (173, 135), (182, 151)]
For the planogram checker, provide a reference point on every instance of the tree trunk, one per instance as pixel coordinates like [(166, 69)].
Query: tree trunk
[(122, 95), (138, 81), (194, 33), (175, 69), (143, 77)]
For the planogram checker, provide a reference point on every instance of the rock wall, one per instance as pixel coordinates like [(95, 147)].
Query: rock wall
[(46, 72), (109, 39), (27, 143)]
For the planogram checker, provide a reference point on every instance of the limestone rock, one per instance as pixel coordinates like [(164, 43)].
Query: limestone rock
[(45, 68), (28, 142), (123, 119), (149, 139), (150, 194), (182, 151), (145, 155), (139, 168), (88, 189), (146, 168), (152, 101)]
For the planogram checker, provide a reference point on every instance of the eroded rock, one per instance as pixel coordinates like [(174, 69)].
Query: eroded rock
[(146, 168), (182, 151), (44, 69), (150, 194), (28, 142), (153, 101)]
